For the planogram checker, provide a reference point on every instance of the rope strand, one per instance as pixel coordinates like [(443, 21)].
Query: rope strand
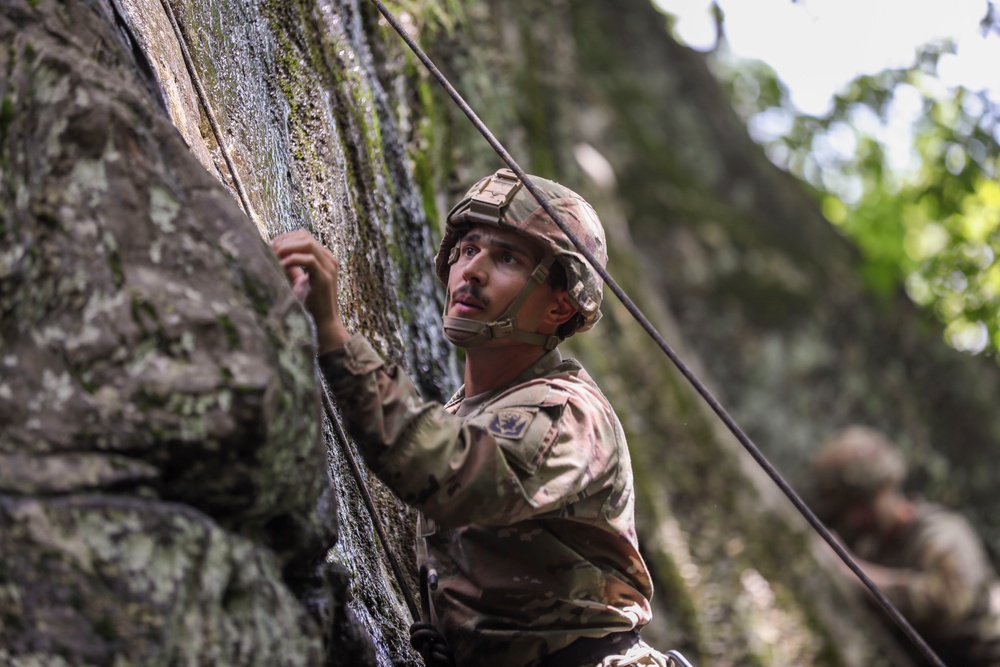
[(207, 108), (352, 461), (328, 405), (648, 327)]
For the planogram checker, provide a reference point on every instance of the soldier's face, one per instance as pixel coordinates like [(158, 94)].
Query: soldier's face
[(493, 267), (859, 518)]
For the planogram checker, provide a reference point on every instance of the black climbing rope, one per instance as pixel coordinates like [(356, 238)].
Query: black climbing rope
[(721, 412), (181, 37), (352, 461)]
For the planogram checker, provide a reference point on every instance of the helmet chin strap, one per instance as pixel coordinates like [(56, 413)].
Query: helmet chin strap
[(464, 332)]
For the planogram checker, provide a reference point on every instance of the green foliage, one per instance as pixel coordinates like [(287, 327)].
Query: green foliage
[(927, 221), (446, 14)]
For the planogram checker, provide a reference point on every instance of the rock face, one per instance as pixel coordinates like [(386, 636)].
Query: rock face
[(167, 490), (172, 491), (161, 480)]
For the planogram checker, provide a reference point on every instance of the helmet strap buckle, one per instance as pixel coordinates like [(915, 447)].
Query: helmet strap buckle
[(540, 274), (501, 329)]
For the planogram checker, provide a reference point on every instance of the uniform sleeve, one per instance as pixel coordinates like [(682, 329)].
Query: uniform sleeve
[(530, 456), (948, 579)]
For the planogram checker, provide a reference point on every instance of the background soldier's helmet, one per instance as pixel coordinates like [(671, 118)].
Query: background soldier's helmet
[(851, 468), (501, 201)]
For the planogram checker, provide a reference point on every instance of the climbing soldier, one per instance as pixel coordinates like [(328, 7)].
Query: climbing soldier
[(928, 561), (523, 479)]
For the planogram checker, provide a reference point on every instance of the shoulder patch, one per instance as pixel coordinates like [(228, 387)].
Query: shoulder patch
[(510, 424)]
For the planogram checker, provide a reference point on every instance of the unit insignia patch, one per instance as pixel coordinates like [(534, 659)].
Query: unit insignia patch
[(510, 424)]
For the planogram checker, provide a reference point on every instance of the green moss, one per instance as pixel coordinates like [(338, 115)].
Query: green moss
[(51, 553), (536, 106), (115, 265), (426, 150), (229, 329), (105, 628), (13, 622), (48, 220), (260, 301), (143, 312), (671, 585), (434, 16), (6, 117), (147, 399)]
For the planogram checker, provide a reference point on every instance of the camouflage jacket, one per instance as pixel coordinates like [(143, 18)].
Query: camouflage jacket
[(527, 501), (944, 584)]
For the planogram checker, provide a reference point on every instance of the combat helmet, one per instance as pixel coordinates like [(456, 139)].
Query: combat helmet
[(500, 200), (852, 467)]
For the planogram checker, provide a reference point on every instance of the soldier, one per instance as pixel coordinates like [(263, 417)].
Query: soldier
[(523, 478), (928, 561)]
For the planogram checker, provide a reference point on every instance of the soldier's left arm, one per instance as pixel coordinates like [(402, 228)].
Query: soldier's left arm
[(552, 452), (529, 454), (949, 576)]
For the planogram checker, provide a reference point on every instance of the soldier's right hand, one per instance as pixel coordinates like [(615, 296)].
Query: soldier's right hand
[(312, 271)]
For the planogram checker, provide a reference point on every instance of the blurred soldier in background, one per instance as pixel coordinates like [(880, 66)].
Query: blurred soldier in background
[(928, 561)]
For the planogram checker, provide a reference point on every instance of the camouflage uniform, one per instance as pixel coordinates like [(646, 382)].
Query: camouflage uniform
[(943, 584), (528, 499)]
